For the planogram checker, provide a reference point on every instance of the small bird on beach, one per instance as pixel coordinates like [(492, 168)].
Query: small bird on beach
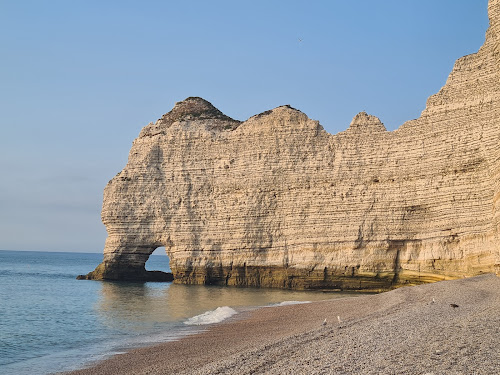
[(338, 318), (454, 305), (324, 322), (433, 300)]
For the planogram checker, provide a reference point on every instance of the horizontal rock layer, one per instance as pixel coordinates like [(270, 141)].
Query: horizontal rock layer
[(277, 201)]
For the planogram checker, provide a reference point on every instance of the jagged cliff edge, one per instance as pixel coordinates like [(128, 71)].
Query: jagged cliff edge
[(276, 201)]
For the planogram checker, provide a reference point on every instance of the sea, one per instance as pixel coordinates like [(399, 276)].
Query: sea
[(50, 322)]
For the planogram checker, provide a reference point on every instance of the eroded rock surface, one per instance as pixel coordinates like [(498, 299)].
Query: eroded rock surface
[(277, 201)]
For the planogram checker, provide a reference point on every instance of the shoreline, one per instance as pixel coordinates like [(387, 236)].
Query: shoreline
[(410, 330)]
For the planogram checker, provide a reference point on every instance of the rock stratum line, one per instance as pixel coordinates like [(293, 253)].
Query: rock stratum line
[(276, 201)]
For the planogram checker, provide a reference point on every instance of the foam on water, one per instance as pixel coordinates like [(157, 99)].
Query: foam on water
[(211, 317)]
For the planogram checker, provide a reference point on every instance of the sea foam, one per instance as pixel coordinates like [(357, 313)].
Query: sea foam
[(211, 317)]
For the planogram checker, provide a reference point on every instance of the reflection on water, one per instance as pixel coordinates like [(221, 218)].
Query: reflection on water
[(145, 306), (51, 322)]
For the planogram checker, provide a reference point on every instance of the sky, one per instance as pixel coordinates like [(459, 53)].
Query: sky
[(80, 78)]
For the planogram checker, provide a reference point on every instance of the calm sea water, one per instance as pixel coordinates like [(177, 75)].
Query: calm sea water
[(50, 322)]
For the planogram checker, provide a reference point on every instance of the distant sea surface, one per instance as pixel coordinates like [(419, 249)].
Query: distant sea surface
[(51, 322)]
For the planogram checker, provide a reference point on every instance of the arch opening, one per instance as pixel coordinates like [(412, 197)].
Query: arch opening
[(154, 267), (158, 260)]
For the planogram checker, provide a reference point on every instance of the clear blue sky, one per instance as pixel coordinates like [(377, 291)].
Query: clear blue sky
[(80, 78)]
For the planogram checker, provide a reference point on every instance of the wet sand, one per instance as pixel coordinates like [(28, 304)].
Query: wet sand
[(449, 327)]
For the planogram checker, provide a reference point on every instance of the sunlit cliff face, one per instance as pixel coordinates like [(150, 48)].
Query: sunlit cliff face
[(276, 201)]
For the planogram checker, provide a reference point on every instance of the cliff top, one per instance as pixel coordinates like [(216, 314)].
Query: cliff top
[(194, 108), (365, 122)]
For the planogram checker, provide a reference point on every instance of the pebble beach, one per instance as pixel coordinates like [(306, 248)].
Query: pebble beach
[(448, 327)]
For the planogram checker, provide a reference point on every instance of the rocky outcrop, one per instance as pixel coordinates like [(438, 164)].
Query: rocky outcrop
[(277, 201), (127, 273)]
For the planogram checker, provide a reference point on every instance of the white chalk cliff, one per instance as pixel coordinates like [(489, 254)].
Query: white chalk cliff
[(277, 201)]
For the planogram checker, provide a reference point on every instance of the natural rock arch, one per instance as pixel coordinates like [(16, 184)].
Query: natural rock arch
[(277, 201), (129, 266)]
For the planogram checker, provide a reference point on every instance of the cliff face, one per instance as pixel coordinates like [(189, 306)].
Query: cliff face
[(277, 201)]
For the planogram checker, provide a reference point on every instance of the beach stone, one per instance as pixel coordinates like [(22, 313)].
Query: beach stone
[(276, 201)]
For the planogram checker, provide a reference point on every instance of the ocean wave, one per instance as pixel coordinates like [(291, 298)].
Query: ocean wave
[(37, 274), (211, 317)]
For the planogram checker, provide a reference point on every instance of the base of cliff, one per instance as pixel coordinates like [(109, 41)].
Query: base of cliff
[(103, 272), (349, 279)]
